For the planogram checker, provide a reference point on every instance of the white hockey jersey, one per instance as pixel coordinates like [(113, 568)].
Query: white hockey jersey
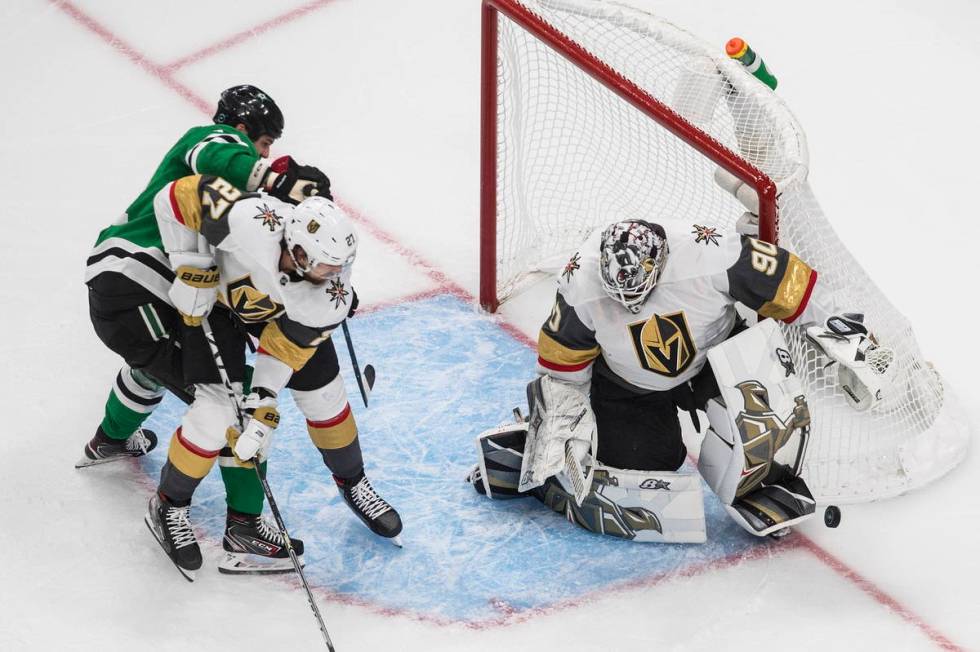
[(244, 233), (691, 309)]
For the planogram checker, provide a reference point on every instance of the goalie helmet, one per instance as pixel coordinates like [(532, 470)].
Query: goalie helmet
[(632, 257), (323, 231), (251, 107)]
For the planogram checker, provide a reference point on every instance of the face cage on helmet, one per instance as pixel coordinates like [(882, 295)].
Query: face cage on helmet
[(635, 298)]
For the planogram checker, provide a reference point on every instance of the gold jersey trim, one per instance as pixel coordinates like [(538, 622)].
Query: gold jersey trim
[(276, 344), (550, 350), (186, 202), (791, 292)]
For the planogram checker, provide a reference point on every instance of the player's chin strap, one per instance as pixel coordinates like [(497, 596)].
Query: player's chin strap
[(561, 434)]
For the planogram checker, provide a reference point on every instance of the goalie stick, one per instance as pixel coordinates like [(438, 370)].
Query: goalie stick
[(219, 363)]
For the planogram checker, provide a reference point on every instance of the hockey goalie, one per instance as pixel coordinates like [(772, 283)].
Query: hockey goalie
[(644, 326)]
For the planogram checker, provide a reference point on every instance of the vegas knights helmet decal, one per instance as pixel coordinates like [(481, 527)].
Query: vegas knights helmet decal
[(323, 231), (663, 343)]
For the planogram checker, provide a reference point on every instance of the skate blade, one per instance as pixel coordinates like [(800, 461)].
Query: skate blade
[(236, 563), (397, 540), (189, 575), (85, 461)]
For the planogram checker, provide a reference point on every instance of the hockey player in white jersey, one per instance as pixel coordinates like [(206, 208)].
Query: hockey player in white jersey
[(638, 309), (249, 263)]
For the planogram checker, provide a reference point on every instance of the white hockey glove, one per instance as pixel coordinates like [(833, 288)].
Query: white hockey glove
[(865, 370), (561, 433), (195, 288), (263, 418)]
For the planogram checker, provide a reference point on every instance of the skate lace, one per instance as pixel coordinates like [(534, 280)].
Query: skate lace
[(270, 532), (367, 500), (138, 442), (179, 525)]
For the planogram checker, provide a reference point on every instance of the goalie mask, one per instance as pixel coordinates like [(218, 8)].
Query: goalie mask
[(323, 231), (632, 257)]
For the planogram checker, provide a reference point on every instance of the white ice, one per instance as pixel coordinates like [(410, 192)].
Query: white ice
[(385, 96)]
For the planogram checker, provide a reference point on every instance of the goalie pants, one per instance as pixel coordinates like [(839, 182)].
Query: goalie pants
[(642, 431)]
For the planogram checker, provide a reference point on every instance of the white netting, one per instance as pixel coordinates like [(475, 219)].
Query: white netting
[(572, 156)]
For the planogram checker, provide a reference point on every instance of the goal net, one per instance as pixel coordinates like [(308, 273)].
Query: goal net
[(594, 111)]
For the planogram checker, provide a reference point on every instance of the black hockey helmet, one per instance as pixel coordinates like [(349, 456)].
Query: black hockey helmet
[(248, 105)]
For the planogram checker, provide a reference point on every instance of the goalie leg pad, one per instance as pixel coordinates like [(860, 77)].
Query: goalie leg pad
[(754, 448), (642, 506)]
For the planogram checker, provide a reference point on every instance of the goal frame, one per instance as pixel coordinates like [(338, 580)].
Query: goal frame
[(700, 141)]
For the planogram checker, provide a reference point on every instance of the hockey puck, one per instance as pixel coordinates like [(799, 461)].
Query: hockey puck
[(831, 516)]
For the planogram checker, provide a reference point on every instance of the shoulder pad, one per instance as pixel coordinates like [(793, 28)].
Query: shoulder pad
[(698, 250)]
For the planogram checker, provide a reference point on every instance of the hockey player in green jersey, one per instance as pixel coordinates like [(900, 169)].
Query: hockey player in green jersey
[(129, 279)]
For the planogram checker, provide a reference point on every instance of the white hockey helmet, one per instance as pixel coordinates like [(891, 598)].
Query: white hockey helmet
[(324, 232), (632, 257)]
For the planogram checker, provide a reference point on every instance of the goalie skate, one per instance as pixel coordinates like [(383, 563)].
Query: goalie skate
[(102, 449), (254, 546)]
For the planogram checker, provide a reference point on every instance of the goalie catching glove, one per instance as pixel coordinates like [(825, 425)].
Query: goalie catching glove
[(195, 286), (263, 418), (293, 182), (865, 371)]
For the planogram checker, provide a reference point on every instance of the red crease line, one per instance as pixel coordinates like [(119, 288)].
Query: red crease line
[(245, 35), (131, 53)]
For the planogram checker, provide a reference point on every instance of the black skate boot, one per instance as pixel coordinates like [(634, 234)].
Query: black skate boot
[(254, 545), (380, 517), (171, 526), (102, 449)]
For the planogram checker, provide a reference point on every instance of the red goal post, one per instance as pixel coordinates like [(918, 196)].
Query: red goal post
[(615, 82)]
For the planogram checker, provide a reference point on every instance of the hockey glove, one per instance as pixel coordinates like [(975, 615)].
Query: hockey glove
[(263, 418), (293, 182), (195, 288), (865, 371)]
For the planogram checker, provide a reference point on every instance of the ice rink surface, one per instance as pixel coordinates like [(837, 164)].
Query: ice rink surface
[(384, 96)]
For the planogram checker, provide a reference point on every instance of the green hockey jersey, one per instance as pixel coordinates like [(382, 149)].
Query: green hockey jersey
[(131, 246)]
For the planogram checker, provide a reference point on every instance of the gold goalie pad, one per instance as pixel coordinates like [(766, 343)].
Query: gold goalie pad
[(754, 448)]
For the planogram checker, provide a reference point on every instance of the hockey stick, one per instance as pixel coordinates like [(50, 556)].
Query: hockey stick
[(219, 363), (368, 370)]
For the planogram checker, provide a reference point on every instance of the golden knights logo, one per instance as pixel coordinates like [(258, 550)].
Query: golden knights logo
[(268, 217), (706, 234), (663, 344), (337, 292), (249, 303), (313, 226), (763, 432), (570, 267)]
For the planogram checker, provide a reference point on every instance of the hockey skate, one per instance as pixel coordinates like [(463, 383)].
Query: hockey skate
[(102, 449), (171, 527), (380, 517), (254, 545)]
